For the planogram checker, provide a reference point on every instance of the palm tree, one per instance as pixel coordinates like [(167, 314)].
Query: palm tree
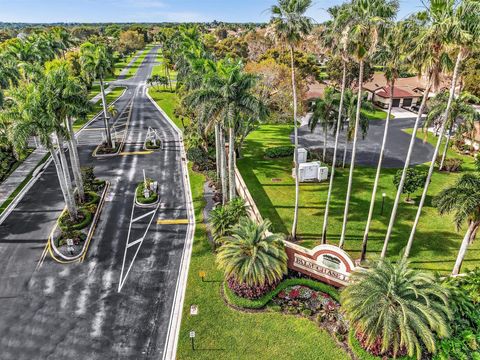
[(367, 18), (97, 64), (401, 309), (30, 116), (325, 113), (460, 110), (390, 56), (462, 24), (66, 99), (250, 256), (426, 49), (463, 199), (335, 39), (229, 94), (291, 25), (350, 110)]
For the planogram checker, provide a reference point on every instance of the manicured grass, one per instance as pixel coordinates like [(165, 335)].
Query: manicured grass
[(270, 182), (376, 114), (132, 70), (167, 101), (225, 333), (111, 97), (160, 68), (94, 91), (120, 65)]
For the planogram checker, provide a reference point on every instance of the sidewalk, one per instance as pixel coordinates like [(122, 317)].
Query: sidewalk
[(16, 178)]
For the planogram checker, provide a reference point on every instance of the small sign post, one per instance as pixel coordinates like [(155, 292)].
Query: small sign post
[(194, 310), (192, 336), (202, 274)]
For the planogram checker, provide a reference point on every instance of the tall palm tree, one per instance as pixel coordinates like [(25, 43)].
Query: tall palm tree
[(390, 56), (367, 17), (325, 113), (229, 94), (97, 64), (463, 199), (460, 110), (30, 116), (463, 27), (67, 99), (335, 39), (426, 48), (399, 308), (252, 257), (291, 25)]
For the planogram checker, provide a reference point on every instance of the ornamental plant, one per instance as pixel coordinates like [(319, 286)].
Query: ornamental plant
[(251, 258)]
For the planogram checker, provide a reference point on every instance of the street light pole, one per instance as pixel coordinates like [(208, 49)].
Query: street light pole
[(383, 202)]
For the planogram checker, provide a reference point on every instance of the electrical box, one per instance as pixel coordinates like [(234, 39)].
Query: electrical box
[(311, 171), (302, 155)]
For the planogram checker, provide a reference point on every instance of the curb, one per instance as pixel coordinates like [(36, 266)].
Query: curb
[(80, 257), (122, 143), (171, 342)]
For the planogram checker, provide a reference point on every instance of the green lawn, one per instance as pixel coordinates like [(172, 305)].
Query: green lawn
[(160, 68), (132, 70), (112, 96), (436, 243), (167, 101), (376, 114), (224, 333)]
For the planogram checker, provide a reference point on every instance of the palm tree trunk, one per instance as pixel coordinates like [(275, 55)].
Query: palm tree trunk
[(334, 160), (217, 150), (464, 246), (405, 168), (297, 180), (75, 160), (65, 168), (444, 155), (352, 161), (71, 207), (223, 167), (345, 148), (231, 163), (325, 135), (108, 135), (377, 175), (434, 157)]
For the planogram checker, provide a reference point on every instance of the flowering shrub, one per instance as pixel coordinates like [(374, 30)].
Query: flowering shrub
[(296, 299), (249, 292)]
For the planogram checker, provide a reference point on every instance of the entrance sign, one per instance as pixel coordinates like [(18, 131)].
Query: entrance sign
[(326, 263)]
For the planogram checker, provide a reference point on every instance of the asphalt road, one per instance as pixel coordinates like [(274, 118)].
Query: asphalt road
[(75, 311), (368, 149)]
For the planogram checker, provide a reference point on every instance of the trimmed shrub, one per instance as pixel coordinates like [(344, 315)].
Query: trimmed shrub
[(279, 151), (200, 158), (84, 219), (262, 301), (142, 199), (249, 291), (91, 198), (450, 164)]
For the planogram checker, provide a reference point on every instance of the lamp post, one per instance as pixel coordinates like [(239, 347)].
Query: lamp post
[(383, 202)]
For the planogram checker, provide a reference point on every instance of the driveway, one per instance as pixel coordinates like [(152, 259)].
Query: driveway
[(368, 149), (76, 311)]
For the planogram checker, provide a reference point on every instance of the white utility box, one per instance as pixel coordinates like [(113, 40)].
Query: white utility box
[(311, 171), (302, 155)]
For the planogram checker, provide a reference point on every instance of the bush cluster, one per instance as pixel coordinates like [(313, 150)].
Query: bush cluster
[(279, 151), (249, 291), (200, 159)]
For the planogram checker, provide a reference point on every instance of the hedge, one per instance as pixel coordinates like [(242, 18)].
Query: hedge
[(94, 198), (79, 226), (362, 354), (279, 151), (262, 301), (142, 199)]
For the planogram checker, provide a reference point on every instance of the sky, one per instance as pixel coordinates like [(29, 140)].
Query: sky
[(158, 10)]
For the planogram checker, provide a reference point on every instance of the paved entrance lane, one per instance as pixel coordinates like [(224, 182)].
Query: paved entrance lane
[(75, 311)]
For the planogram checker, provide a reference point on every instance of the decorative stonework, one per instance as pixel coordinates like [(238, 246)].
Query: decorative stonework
[(327, 263)]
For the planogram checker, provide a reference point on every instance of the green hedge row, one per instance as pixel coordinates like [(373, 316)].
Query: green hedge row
[(141, 199), (262, 301), (279, 151), (79, 226), (361, 353)]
